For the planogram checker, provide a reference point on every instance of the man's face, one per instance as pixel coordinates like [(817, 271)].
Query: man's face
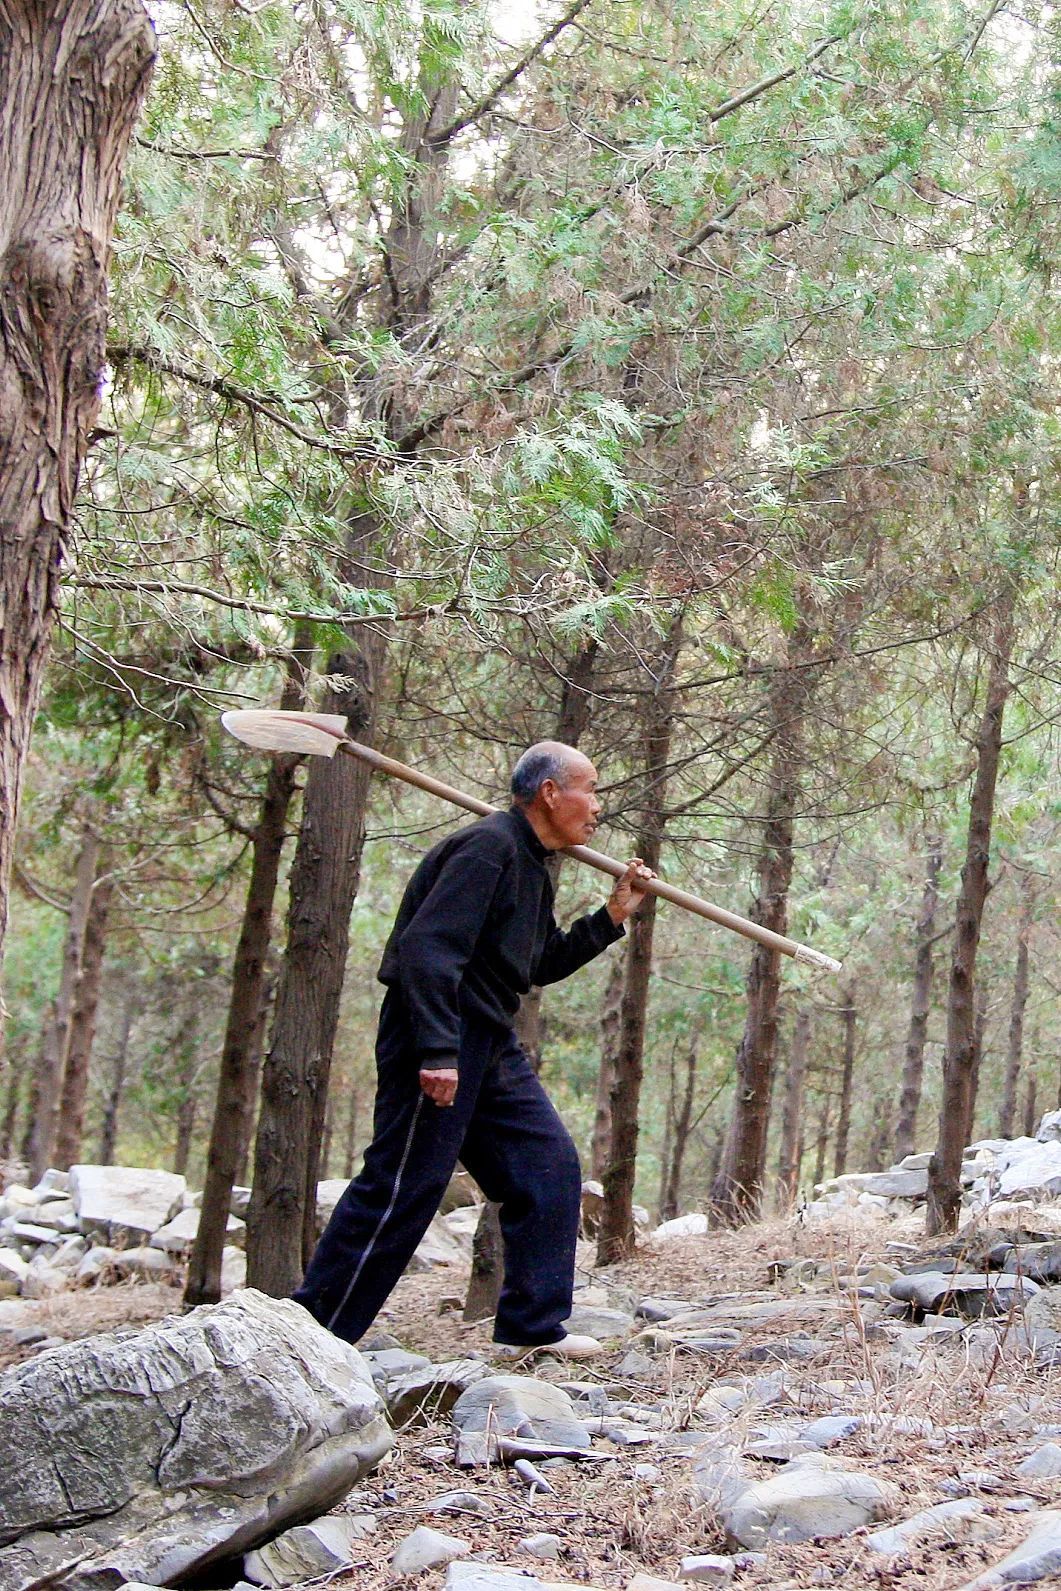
[(573, 807)]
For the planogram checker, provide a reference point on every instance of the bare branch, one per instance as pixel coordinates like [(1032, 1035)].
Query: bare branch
[(445, 135)]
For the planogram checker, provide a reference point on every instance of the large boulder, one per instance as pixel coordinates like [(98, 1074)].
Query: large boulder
[(153, 1454), (124, 1205)]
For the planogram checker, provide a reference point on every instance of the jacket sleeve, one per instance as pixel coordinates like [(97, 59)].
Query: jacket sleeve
[(566, 951), (435, 947)]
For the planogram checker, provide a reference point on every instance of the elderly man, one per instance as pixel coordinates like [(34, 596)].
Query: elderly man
[(474, 931)]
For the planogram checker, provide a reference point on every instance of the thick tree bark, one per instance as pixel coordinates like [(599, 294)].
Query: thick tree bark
[(821, 1141), (281, 1220), (237, 1084), (353, 1104), (737, 1189), (83, 1025), (1031, 1107), (615, 1236), (72, 77), (681, 1126), (56, 1044), (979, 1030), (1008, 1112), (848, 1018), (792, 1110), (944, 1172), (920, 1005)]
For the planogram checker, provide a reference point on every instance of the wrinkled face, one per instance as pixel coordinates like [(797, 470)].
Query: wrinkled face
[(572, 808)]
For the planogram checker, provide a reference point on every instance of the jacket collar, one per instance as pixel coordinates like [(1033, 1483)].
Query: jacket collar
[(527, 835)]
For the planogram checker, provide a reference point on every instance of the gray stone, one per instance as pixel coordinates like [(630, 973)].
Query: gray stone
[(489, 1577), (785, 1349), (423, 1394), (708, 1568), (636, 1366), (1043, 1464), (149, 1264), (899, 1536), (233, 1270), (44, 1280), (99, 1264), (28, 1232), (308, 1550), (655, 1310), (461, 1503), (58, 1214), (178, 1235), (532, 1477), (1040, 1261), (1042, 1314), (240, 1203), (721, 1479), (1038, 1556), (521, 1407), (12, 1266), (587, 1320), (541, 1545), (803, 1503), (969, 1293), (437, 1247), (648, 1473), (125, 1204), (155, 1453), (425, 1548), (831, 1428), (389, 1364), (681, 1227), (70, 1253)]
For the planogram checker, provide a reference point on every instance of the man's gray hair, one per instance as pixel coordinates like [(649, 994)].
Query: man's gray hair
[(547, 760)]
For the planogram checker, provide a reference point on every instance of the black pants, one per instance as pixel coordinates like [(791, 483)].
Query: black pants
[(506, 1133)]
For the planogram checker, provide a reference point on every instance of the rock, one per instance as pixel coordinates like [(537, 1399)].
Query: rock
[(682, 1226), (915, 1162), (13, 1267), (968, 1293), (1026, 1166), (329, 1193), (461, 1193), (300, 1554), (588, 1320), (1043, 1464), (389, 1364), (489, 1577), (233, 1270), (829, 1429), (884, 1184), (44, 1280), (542, 1545), (652, 1582), (1036, 1558), (57, 1214), (708, 1568), (426, 1549), (147, 1264), (1024, 1219), (1049, 1129), (899, 1536), (70, 1253), (462, 1503), (1042, 1314), (635, 1366), (1040, 1261), (802, 1503), (532, 1477), (461, 1225), (99, 1264), (124, 1204), (423, 1394), (592, 1205), (29, 1232), (436, 1247), (240, 1203), (178, 1235), (655, 1310), (522, 1407), (155, 1453)]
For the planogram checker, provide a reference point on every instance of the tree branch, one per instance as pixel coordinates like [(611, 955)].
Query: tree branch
[(445, 135), (123, 353)]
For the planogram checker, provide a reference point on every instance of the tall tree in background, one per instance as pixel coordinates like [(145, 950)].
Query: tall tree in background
[(72, 77)]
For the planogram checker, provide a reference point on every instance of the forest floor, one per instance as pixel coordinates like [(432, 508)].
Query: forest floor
[(968, 1408)]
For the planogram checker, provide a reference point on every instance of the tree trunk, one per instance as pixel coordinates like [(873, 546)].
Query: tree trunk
[(1008, 1113), (944, 1171), (979, 1029), (920, 1004), (488, 1262), (1031, 1108), (682, 1126), (350, 1140), (72, 77), (83, 1025), (609, 1022), (241, 1050), (12, 1099), (821, 1142), (108, 1138), (737, 1189), (281, 1220), (615, 1236), (56, 1046), (843, 1121), (792, 1110)]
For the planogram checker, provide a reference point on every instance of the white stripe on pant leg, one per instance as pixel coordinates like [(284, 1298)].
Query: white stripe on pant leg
[(384, 1218)]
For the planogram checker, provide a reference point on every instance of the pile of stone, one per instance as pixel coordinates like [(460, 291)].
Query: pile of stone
[(994, 1171), (94, 1225)]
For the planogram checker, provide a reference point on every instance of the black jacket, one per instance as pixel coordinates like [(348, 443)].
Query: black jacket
[(475, 930)]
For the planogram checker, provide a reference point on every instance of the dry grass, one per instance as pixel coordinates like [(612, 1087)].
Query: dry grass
[(982, 1405)]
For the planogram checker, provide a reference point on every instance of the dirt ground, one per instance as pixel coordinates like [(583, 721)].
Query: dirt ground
[(613, 1523)]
